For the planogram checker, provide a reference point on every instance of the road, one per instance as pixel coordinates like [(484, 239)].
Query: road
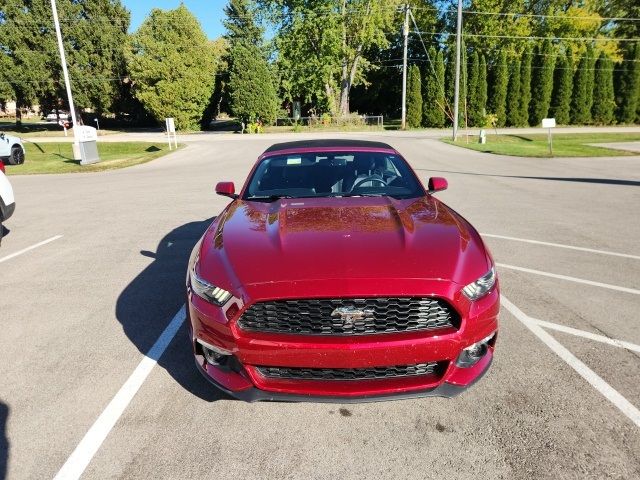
[(79, 314)]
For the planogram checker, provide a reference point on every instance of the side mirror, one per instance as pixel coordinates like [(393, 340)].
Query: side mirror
[(437, 184), (226, 189)]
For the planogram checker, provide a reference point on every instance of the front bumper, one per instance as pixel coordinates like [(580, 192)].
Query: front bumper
[(210, 325), (253, 394)]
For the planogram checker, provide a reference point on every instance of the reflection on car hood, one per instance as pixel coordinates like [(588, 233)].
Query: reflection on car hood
[(335, 238)]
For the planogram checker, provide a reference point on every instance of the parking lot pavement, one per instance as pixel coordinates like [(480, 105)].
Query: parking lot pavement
[(82, 315)]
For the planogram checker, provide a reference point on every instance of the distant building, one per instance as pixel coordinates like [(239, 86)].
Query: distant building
[(9, 110)]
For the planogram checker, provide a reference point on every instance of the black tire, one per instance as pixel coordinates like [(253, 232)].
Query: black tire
[(17, 155), (1, 231)]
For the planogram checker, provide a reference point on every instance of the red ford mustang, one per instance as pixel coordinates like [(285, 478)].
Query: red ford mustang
[(335, 276)]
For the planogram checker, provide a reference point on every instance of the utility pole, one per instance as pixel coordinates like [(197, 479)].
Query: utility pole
[(65, 71), (456, 100), (405, 32)]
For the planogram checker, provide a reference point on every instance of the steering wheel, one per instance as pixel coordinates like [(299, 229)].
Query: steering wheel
[(370, 178)]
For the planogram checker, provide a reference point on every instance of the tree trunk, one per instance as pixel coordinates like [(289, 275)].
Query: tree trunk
[(331, 98)]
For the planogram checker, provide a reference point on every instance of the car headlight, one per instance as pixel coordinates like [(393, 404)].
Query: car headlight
[(208, 292), (480, 287)]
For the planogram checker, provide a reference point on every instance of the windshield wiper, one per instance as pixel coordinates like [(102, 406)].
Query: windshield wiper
[(268, 198), (351, 194)]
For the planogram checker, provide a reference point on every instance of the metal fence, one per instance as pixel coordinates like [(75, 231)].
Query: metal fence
[(329, 121)]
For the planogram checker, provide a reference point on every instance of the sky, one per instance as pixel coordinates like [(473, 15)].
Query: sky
[(209, 12)]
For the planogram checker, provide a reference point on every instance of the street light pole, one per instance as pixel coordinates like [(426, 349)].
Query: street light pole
[(65, 71), (456, 100), (405, 32)]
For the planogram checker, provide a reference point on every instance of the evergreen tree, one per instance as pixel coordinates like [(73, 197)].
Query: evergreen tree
[(582, 97), (172, 67), (482, 90), (603, 94), (433, 102), (525, 86), (542, 85), (473, 102), (500, 85), (31, 72), (513, 106), (253, 93), (591, 73), (414, 97), (629, 88), (562, 88), (450, 76)]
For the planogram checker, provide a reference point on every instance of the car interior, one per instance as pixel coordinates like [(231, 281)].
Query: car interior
[(332, 175)]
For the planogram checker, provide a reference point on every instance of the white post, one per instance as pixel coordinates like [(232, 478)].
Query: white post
[(65, 71), (456, 100), (404, 66)]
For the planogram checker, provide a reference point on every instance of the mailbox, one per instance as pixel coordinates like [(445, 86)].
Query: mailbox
[(88, 140)]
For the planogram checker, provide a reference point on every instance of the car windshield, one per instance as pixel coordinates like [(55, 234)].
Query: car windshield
[(322, 174)]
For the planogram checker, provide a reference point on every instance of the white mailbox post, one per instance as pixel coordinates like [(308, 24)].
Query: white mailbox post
[(171, 132), (549, 123), (88, 141)]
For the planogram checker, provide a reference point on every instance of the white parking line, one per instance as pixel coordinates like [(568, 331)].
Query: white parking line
[(560, 245), (32, 247), (91, 442), (570, 279), (591, 336), (585, 372)]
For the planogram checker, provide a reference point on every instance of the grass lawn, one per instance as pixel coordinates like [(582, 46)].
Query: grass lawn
[(58, 157), (564, 144)]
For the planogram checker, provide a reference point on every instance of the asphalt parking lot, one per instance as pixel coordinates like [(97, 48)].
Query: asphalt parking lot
[(91, 282)]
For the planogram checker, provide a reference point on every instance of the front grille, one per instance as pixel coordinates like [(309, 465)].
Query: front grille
[(371, 373), (349, 316)]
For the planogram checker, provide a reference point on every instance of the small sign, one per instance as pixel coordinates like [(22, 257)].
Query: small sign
[(171, 125), (549, 123), (86, 134), (87, 138), (172, 137)]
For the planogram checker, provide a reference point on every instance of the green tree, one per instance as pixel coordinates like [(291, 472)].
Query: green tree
[(513, 106), (253, 95), (629, 86), (450, 80), (482, 91), (433, 99), (172, 66), (562, 89), (322, 43), (94, 32), (525, 86), (473, 102), (603, 95), (500, 85), (583, 91), (542, 83), (414, 97), (252, 90)]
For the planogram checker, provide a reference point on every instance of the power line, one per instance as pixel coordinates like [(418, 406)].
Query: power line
[(528, 37)]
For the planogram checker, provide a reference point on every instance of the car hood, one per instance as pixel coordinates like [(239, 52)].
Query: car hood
[(294, 240)]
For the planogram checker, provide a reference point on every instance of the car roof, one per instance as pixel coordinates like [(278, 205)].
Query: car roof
[(327, 144)]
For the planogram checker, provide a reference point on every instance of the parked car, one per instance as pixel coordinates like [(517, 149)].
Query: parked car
[(334, 275), (52, 117), (7, 201), (11, 150)]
